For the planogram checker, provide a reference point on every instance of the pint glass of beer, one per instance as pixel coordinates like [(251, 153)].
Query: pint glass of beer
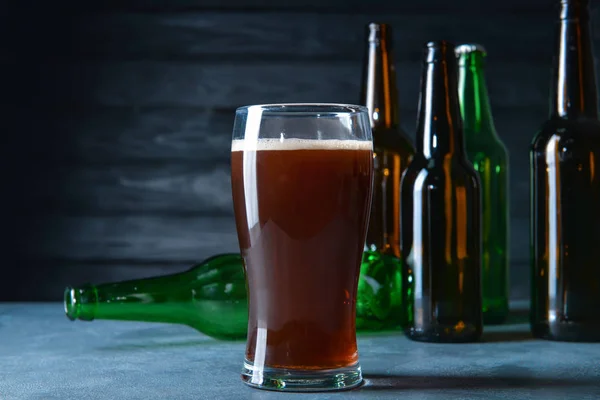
[(301, 178)]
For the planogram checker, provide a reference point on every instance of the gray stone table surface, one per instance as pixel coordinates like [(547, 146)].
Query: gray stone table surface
[(44, 356)]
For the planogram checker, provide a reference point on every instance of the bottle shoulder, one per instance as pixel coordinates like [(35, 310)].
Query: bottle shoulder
[(568, 132), (457, 169)]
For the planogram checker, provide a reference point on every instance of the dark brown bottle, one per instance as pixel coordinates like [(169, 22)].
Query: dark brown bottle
[(441, 221), (392, 149), (565, 192)]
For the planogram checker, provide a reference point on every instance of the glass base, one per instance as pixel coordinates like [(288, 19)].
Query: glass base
[(292, 380)]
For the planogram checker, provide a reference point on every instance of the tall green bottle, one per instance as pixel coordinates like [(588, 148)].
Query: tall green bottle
[(211, 297), (490, 159)]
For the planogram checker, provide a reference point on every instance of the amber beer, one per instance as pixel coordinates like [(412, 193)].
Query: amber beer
[(301, 209)]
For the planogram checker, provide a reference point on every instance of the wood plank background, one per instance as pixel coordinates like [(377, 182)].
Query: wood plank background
[(118, 116)]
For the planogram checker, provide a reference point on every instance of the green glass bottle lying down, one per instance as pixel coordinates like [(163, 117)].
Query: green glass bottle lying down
[(211, 297)]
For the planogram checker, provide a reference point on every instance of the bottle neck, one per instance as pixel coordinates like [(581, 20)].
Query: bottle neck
[(474, 101), (439, 126), (574, 88), (379, 92), (148, 299)]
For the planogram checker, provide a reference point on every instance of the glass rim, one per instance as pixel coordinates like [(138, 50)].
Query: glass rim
[(304, 109)]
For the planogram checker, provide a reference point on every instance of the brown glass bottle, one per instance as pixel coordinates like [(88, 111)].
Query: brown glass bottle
[(392, 149), (440, 218), (565, 192)]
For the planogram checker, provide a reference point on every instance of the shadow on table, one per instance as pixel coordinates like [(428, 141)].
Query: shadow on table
[(487, 337), (156, 346), (506, 336), (397, 382), (383, 333), (162, 337)]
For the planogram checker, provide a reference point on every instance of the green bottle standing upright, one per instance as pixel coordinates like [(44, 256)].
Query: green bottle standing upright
[(441, 217), (565, 191), (211, 297), (490, 159)]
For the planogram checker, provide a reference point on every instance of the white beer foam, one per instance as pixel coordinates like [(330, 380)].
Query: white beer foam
[(299, 144)]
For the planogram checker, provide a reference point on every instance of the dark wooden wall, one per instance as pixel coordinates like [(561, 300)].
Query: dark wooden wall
[(118, 116)]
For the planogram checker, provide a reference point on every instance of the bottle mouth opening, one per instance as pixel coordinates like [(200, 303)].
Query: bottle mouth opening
[(471, 55), (440, 45), (574, 2), (80, 302), (468, 48), (572, 10), (378, 31), (440, 51), (71, 303)]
